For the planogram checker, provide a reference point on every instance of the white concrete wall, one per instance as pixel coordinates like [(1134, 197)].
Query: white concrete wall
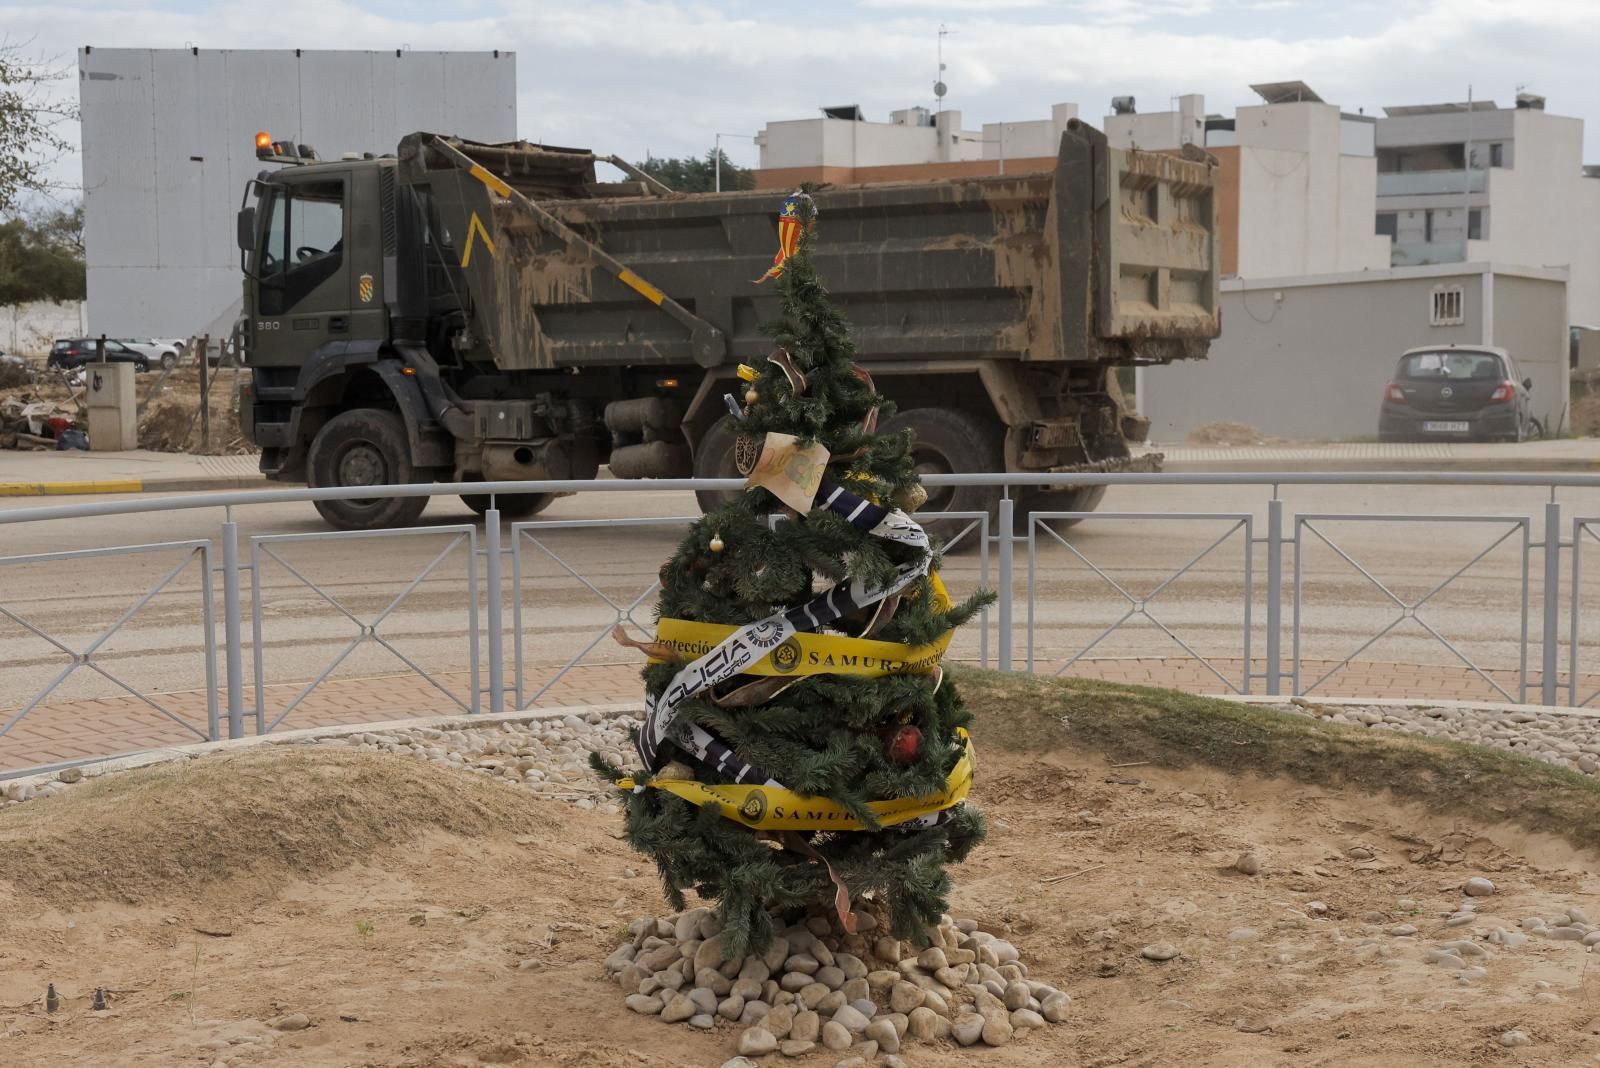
[(1305, 206), (1357, 136), (1160, 131), (1358, 247), (823, 142), (1028, 140), (168, 146), (1544, 212), (1156, 131), (1583, 290), (30, 329)]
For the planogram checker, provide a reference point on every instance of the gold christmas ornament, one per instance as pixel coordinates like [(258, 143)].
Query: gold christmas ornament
[(716, 543), (751, 396), (912, 499)]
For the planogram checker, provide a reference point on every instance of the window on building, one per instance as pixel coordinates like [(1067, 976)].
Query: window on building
[(1497, 155), (1388, 224), (1447, 307), (1427, 225), (1475, 224)]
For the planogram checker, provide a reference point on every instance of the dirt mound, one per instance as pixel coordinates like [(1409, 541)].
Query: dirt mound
[(1229, 434), (412, 925), (175, 831), (166, 427), (1586, 415)]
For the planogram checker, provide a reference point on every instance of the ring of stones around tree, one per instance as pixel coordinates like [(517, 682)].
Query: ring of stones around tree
[(866, 993)]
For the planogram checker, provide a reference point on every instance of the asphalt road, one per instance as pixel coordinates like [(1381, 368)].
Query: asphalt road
[(158, 647)]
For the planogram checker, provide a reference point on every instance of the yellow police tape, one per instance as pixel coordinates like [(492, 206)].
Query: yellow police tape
[(815, 654), (772, 808)]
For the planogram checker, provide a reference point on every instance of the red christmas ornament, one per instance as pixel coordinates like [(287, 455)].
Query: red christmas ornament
[(904, 745)]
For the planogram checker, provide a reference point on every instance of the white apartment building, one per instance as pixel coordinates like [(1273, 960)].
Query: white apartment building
[(1488, 183), (1297, 180), (840, 145)]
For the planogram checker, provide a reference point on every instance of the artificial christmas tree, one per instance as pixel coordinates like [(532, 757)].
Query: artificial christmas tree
[(802, 746)]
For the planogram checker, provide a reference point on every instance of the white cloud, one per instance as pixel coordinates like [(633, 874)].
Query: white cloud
[(635, 75)]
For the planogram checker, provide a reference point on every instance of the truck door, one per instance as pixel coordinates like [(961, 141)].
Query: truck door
[(304, 289)]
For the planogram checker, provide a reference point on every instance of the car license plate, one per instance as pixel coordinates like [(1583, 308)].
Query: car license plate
[(1446, 428)]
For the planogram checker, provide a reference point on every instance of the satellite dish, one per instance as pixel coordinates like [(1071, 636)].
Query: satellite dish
[(939, 89)]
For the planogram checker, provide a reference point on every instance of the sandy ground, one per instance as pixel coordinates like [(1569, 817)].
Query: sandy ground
[(418, 917)]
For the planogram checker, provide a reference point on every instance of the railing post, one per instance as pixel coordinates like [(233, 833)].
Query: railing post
[(1552, 601), (491, 549), (231, 628), (1006, 517), (1274, 597)]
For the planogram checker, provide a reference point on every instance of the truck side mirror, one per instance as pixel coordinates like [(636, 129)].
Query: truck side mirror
[(247, 229)]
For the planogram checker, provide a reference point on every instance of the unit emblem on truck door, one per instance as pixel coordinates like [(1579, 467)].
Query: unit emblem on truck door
[(364, 288)]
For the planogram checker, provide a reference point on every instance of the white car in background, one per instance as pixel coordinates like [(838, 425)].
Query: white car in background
[(167, 352)]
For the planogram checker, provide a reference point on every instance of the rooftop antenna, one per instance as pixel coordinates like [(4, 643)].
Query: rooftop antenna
[(939, 88)]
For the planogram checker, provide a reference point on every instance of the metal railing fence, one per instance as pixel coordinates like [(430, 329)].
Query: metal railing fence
[(489, 555)]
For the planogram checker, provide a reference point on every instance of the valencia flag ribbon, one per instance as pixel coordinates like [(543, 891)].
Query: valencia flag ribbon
[(798, 212)]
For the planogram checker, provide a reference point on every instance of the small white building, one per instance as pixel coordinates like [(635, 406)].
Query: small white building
[(169, 145), (1297, 180), (1488, 183), (841, 146)]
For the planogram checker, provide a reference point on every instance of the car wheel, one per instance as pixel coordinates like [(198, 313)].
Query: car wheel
[(141, 366), (364, 447), (169, 360)]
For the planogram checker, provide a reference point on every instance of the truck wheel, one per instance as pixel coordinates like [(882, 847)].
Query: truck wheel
[(512, 505), (713, 458), (364, 447), (949, 442)]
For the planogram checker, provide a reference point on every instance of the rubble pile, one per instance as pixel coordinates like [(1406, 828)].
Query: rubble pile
[(30, 420)]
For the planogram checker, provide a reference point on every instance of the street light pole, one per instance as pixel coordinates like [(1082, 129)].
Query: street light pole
[(1466, 187)]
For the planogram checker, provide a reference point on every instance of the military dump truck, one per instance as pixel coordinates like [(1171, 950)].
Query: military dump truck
[(484, 312)]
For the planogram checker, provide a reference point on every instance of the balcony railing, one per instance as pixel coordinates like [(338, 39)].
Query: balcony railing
[(1420, 253), (1429, 183)]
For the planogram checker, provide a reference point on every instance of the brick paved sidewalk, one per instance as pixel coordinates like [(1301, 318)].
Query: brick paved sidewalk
[(107, 726)]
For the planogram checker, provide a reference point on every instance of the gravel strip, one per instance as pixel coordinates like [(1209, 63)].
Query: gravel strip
[(548, 756), (1570, 741)]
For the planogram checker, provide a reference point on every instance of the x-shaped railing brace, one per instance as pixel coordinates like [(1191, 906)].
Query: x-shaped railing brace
[(1140, 606), (1408, 610), (365, 630), (84, 658)]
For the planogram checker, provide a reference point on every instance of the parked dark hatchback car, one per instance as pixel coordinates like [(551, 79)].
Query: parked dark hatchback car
[(1457, 392), (69, 354)]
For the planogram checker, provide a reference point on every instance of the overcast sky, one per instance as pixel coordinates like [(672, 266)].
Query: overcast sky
[(631, 76)]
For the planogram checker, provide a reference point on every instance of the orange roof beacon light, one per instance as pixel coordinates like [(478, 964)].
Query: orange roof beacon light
[(264, 145)]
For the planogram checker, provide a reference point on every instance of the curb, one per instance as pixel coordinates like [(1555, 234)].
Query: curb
[(1409, 702), (1575, 464), (131, 485)]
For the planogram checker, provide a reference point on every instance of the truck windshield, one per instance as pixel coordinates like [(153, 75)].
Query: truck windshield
[(303, 244)]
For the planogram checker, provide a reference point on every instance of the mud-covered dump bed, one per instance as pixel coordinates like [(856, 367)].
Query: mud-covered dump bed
[(1110, 257)]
